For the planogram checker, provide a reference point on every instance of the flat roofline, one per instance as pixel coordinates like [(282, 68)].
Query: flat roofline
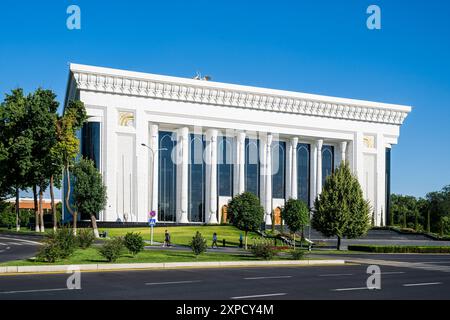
[(220, 85)]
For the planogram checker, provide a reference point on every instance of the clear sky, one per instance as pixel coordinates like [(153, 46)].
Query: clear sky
[(321, 47)]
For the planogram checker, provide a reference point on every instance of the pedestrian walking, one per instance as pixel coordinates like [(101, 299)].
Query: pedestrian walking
[(214, 241), (241, 240), (166, 239)]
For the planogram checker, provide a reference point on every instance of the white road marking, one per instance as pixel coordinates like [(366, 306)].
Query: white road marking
[(273, 277), (336, 275), (421, 284), (351, 289), (173, 282), (31, 291), (259, 296), (21, 240), (394, 272)]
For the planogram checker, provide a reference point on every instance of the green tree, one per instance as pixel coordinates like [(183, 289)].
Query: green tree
[(341, 210), (89, 191), (439, 207), (41, 118), (67, 146), (296, 215), (407, 211), (246, 213), (16, 142)]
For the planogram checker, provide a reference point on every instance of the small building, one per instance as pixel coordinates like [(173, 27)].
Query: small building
[(184, 147)]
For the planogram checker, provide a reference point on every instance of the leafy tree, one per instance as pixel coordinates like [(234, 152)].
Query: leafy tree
[(16, 142), (67, 146), (296, 215), (41, 118), (341, 210), (406, 211), (439, 207), (89, 191), (246, 213)]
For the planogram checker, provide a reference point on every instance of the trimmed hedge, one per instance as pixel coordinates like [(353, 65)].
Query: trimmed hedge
[(398, 249)]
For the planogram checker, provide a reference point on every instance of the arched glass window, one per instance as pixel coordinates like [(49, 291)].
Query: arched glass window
[(303, 172), (278, 169), (167, 181), (327, 162), (196, 210), (252, 166), (225, 166)]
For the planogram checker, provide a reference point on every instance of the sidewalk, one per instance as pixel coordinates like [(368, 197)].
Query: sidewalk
[(171, 265)]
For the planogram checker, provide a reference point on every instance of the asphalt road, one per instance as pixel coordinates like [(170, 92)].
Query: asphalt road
[(405, 281), (16, 248)]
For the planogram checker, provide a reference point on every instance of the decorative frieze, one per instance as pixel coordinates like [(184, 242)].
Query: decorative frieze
[(204, 93)]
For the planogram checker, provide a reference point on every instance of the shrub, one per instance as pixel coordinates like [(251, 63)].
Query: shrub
[(264, 251), (134, 242), (85, 238), (65, 240), (112, 249), (297, 254), (198, 244), (49, 252)]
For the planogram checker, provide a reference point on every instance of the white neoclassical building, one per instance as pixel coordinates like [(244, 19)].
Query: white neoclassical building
[(184, 147)]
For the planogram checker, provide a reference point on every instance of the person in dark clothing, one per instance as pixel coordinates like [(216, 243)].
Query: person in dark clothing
[(214, 241), (166, 239)]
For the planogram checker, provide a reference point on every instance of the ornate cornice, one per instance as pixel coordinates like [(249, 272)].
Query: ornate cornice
[(186, 90)]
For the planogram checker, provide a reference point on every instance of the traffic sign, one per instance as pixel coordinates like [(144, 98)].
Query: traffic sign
[(151, 222)]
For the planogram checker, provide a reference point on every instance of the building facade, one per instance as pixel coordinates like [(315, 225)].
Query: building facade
[(184, 147)]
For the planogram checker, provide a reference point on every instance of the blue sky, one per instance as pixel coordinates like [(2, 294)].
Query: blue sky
[(321, 47)]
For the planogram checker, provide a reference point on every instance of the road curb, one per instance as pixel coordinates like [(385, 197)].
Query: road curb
[(171, 265)]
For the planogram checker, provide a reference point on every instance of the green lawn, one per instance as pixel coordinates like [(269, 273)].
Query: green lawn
[(183, 235), (91, 256)]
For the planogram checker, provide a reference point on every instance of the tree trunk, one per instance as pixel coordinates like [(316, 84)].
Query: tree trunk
[(68, 192), (52, 197), (339, 243), (41, 208), (36, 210), (294, 240), (94, 225), (17, 210), (74, 214), (428, 221), (75, 218), (246, 240)]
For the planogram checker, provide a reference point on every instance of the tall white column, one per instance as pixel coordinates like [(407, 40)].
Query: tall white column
[(268, 179), (241, 162), (154, 144), (288, 177), (343, 147), (313, 174), (294, 143), (319, 144), (211, 162), (182, 216)]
